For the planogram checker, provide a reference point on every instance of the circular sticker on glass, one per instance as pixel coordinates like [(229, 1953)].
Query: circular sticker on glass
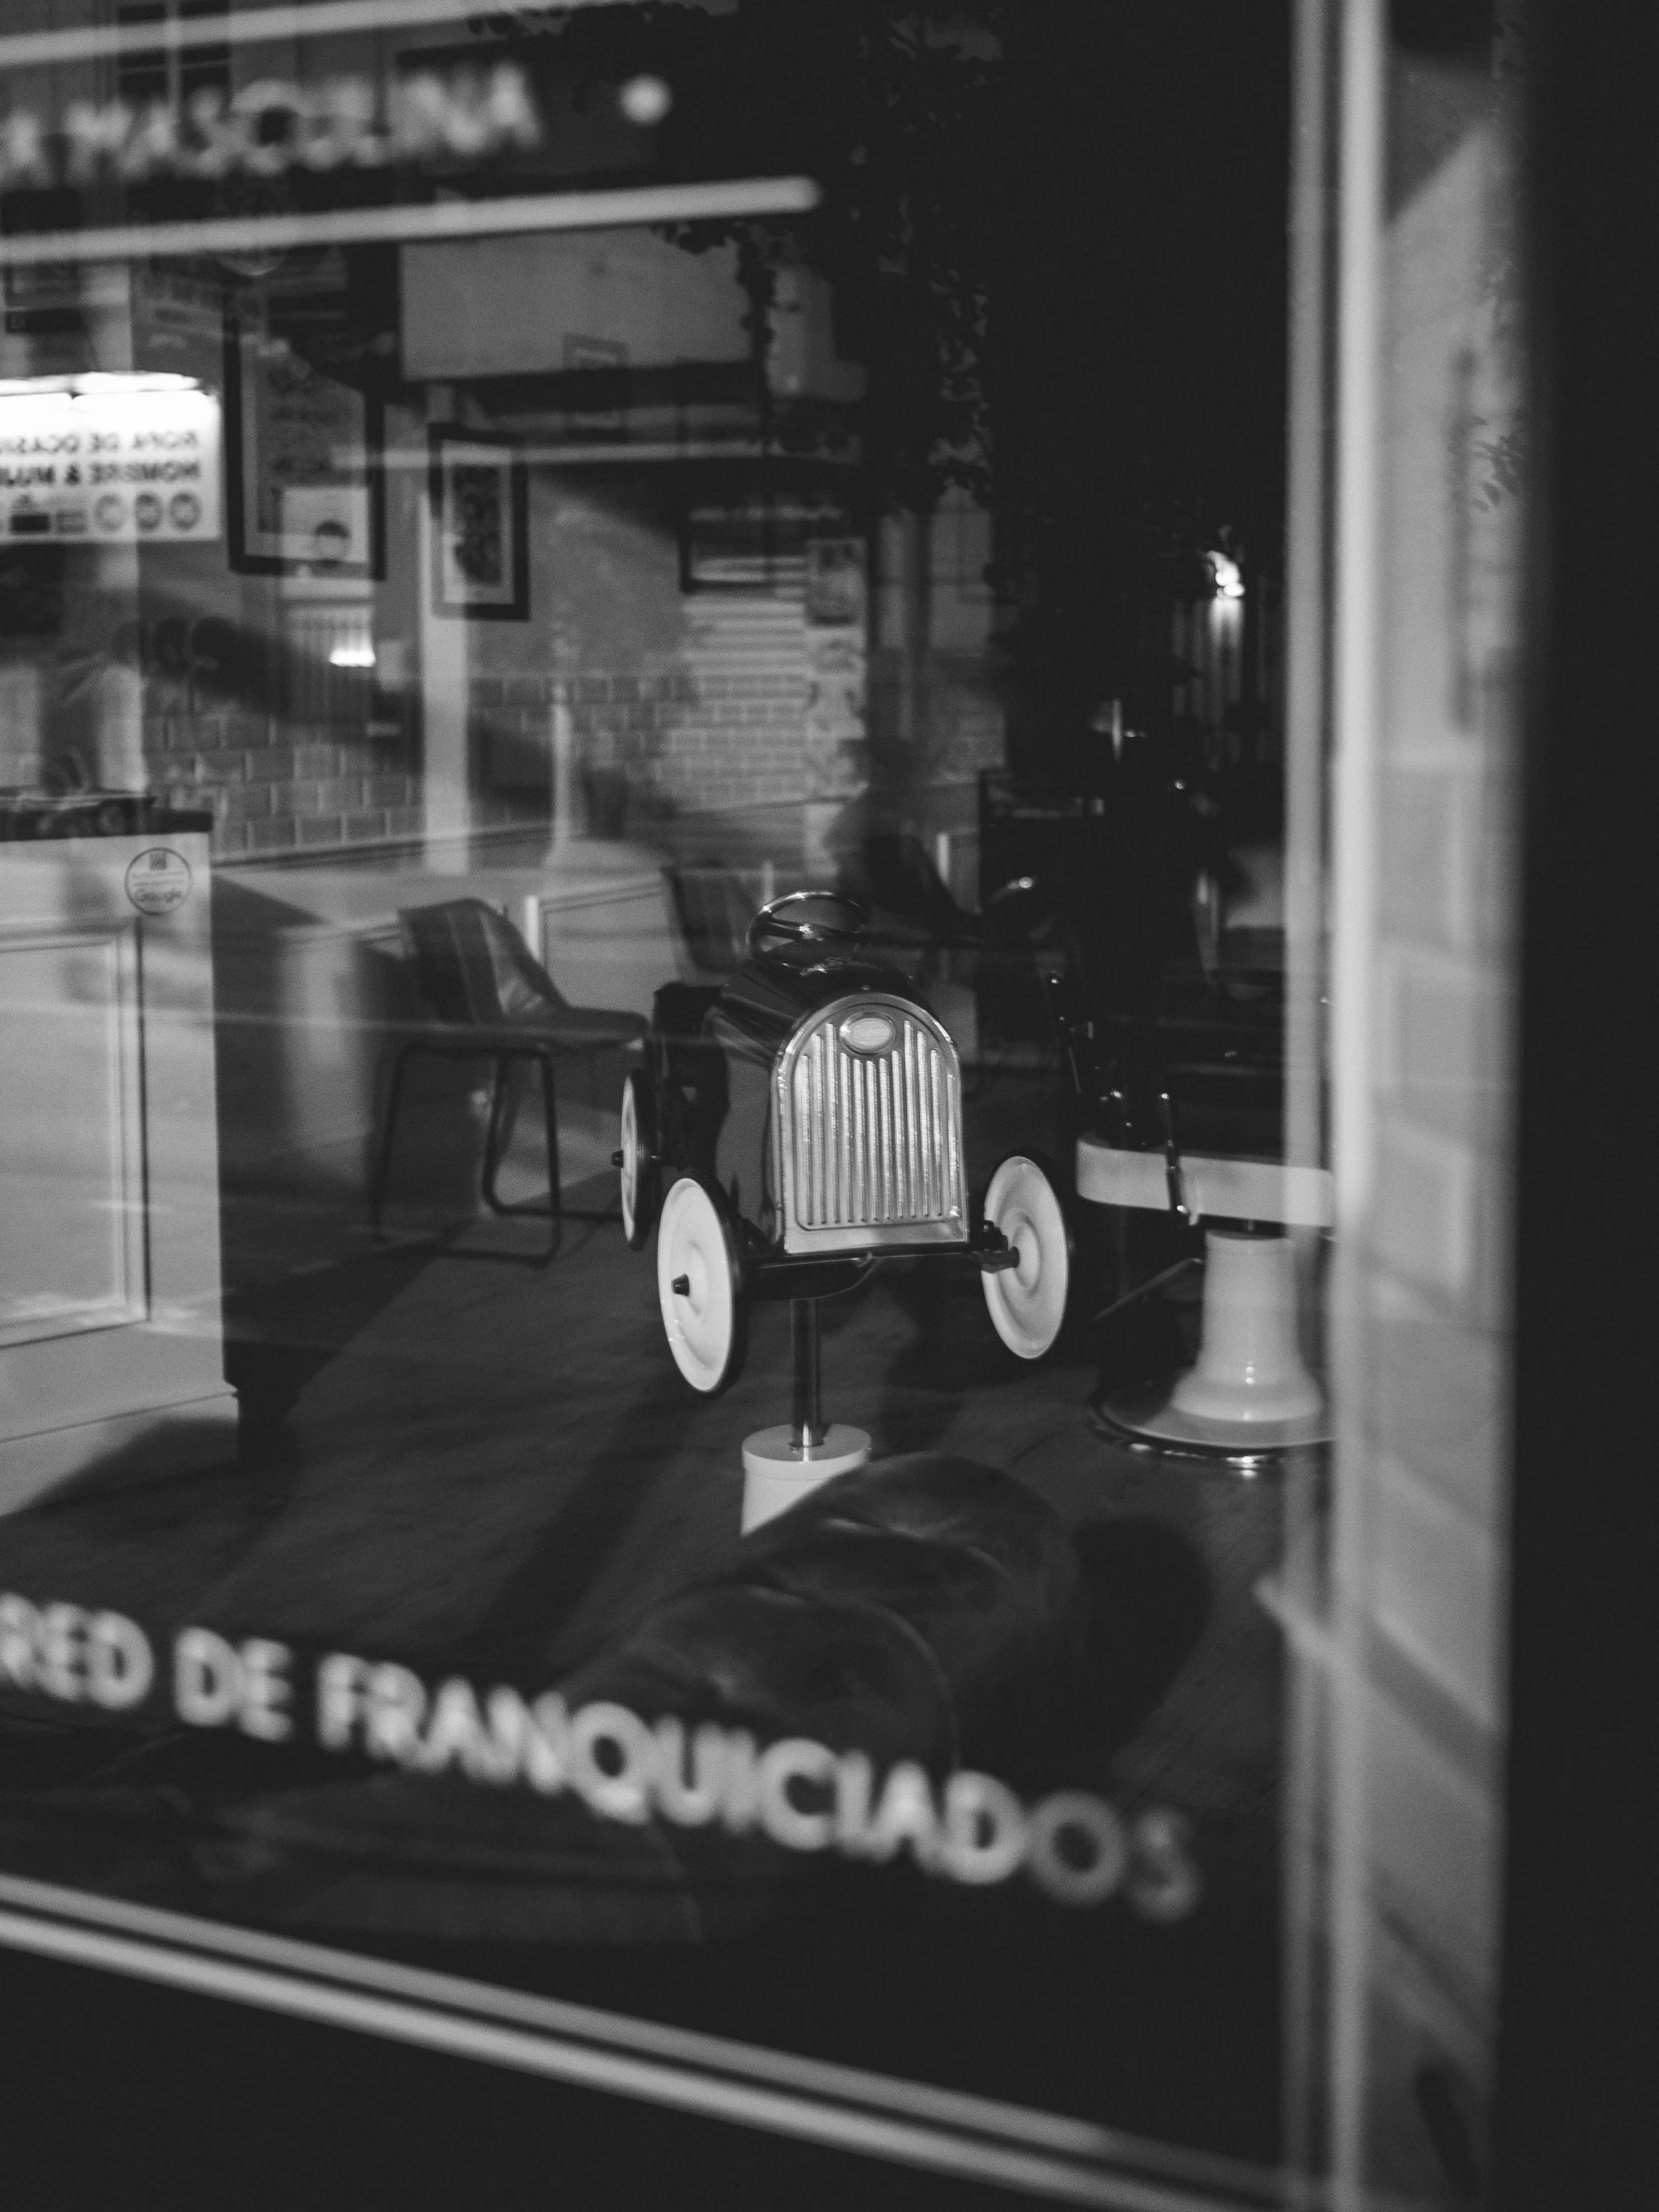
[(158, 881)]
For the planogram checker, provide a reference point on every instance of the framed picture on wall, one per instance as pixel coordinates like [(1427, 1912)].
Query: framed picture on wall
[(303, 465), (480, 527), (766, 543)]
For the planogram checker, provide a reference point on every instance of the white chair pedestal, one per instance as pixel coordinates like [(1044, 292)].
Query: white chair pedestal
[(779, 1470), (782, 1465), (1249, 1398)]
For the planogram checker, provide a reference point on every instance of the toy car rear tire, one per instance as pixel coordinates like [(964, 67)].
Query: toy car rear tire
[(700, 1286), (637, 1162), (1027, 1302)]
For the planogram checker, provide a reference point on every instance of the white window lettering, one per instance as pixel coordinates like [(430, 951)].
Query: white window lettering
[(396, 1709), (1165, 1884), (60, 1652), (340, 116), (854, 1780), (265, 1690), (23, 157), (983, 1828), (207, 1678), (796, 1759), (618, 1788), (739, 1784), (694, 1803), (340, 1680), (906, 1814), (517, 1743), (511, 105), (152, 143), (95, 137), (19, 1638), (215, 137), (120, 1663), (1077, 1851), (467, 113), (271, 146), (456, 1732)]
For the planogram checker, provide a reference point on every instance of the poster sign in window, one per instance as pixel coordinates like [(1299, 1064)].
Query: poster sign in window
[(113, 459), (481, 553), (302, 462)]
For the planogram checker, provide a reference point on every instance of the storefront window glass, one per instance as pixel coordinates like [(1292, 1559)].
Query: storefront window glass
[(755, 945)]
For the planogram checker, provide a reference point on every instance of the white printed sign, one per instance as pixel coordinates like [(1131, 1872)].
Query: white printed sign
[(1077, 1848), (110, 462), (158, 881)]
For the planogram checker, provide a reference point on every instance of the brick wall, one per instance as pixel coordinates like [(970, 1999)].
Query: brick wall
[(739, 735), (704, 701), (275, 789), (721, 725)]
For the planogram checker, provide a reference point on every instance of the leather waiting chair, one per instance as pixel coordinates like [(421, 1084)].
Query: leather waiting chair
[(1177, 1092), (715, 909), (488, 998)]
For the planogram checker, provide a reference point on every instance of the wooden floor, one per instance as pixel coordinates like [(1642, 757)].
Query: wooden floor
[(464, 1463)]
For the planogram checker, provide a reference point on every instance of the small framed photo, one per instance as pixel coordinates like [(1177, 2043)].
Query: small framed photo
[(480, 527), (304, 467)]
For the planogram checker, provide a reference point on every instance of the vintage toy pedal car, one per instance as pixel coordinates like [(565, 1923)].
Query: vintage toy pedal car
[(803, 1124)]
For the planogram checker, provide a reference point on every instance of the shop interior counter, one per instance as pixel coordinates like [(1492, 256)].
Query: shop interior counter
[(111, 1340)]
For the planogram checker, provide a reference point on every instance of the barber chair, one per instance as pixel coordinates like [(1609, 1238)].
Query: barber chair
[(894, 877), (1180, 1112), (921, 932)]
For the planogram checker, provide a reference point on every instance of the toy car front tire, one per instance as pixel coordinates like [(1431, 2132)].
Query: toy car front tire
[(637, 1160), (1027, 1302), (700, 1286)]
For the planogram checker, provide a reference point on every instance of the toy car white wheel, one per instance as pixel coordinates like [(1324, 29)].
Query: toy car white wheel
[(1027, 1302), (700, 1286), (637, 1161)]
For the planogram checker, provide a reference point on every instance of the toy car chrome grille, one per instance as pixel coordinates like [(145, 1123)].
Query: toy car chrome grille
[(871, 1106)]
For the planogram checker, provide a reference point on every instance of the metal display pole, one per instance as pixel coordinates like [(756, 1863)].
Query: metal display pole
[(806, 1423), (780, 1466)]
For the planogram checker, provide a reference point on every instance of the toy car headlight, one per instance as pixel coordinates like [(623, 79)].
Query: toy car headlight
[(868, 1032)]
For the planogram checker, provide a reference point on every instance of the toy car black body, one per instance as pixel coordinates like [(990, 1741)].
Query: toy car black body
[(803, 1123)]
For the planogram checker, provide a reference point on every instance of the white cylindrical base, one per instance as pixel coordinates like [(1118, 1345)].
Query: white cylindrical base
[(1249, 1365), (778, 1473)]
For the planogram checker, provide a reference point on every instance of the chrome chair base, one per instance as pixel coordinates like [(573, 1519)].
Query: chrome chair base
[(1154, 1427)]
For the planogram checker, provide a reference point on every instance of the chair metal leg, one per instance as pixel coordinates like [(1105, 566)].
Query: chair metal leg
[(550, 1114), (382, 1164), (503, 1116), (499, 1133), (566, 1212)]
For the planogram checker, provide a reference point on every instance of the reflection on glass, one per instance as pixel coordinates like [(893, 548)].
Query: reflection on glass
[(748, 1044)]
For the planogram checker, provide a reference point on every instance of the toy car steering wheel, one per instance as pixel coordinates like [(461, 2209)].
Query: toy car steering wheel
[(808, 917)]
